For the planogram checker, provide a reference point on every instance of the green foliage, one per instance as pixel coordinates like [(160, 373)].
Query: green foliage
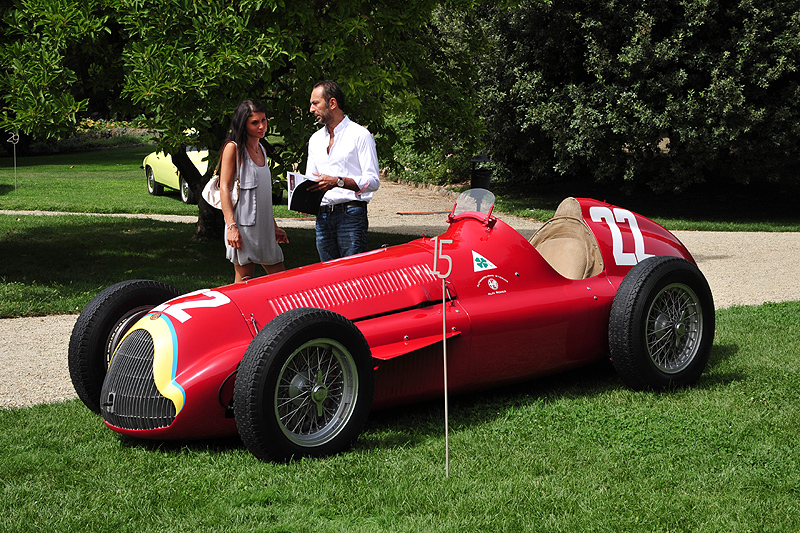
[(422, 157), (436, 141), (35, 81), (658, 94), (186, 65)]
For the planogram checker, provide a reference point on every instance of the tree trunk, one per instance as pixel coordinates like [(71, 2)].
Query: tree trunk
[(210, 221)]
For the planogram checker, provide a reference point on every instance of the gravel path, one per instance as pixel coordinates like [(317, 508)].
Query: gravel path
[(742, 269)]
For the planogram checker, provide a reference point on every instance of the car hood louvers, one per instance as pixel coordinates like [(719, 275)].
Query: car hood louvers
[(363, 288)]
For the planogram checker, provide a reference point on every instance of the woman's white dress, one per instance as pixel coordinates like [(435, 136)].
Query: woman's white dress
[(254, 217)]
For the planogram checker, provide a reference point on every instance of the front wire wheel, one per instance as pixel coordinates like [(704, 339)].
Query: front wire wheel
[(304, 386), (661, 325), (316, 392)]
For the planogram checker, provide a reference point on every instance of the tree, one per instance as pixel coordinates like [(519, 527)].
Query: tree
[(662, 94), (35, 82), (437, 140), (187, 64)]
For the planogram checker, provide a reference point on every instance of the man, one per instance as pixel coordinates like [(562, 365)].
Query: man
[(343, 158)]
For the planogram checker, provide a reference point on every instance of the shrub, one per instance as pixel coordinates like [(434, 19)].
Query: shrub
[(438, 134), (91, 134), (662, 94)]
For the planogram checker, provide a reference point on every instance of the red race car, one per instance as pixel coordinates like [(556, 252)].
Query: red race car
[(295, 361)]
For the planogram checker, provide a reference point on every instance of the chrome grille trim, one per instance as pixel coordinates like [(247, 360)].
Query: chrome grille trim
[(129, 398)]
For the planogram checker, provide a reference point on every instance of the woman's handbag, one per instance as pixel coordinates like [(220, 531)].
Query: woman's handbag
[(211, 190)]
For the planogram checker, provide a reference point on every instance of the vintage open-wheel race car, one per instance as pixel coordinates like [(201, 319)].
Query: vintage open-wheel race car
[(294, 362)]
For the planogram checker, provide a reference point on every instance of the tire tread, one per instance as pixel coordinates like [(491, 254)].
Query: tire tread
[(93, 326), (627, 329)]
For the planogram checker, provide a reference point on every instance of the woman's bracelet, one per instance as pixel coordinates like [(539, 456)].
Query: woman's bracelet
[(231, 225)]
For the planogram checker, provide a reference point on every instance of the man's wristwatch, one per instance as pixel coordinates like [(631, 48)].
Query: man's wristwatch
[(340, 182)]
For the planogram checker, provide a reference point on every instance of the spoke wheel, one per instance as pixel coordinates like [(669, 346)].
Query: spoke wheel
[(304, 386), (316, 392), (674, 328), (661, 326)]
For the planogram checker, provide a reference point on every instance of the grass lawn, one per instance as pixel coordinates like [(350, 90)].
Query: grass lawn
[(56, 264), (101, 181), (574, 452)]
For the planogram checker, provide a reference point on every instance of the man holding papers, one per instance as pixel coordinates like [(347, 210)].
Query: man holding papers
[(343, 160)]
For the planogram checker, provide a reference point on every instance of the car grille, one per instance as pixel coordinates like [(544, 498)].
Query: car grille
[(129, 398)]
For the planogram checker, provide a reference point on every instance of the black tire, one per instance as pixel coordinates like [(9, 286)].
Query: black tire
[(285, 362), (661, 327), (153, 187), (187, 195), (100, 327)]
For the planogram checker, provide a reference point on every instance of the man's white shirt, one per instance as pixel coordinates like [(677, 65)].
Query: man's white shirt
[(353, 155)]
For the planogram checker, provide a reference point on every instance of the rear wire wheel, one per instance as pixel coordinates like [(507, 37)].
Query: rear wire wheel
[(100, 328), (304, 386), (661, 326)]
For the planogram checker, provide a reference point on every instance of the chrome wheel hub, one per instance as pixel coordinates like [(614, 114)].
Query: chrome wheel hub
[(316, 392), (674, 328)]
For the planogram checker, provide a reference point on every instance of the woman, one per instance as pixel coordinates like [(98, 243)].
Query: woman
[(251, 234)]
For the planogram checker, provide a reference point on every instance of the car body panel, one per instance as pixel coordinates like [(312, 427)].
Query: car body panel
[(626, 238), (165, 171), (510, 315)]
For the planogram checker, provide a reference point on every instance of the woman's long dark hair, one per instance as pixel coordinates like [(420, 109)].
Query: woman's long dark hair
[(238, 133)]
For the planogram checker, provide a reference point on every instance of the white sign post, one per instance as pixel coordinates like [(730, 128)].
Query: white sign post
[(437, 253), (14, 139)]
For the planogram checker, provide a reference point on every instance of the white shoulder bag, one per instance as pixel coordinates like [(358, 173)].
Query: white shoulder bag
[(211, 190)]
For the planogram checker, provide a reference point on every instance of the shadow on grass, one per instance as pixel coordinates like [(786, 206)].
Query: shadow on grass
[(720, 354), (168, 447), (417, 423), (56, 264), (414, 424)]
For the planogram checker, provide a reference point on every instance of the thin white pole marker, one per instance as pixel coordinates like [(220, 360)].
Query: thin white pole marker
[(437, 253), (14, 139)]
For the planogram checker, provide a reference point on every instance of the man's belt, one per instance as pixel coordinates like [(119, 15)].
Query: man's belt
[(330, 208)]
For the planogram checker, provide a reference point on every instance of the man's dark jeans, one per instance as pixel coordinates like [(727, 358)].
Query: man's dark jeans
[(343, 231)]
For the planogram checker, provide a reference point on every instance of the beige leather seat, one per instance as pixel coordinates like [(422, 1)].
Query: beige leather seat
[(568, 244)]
